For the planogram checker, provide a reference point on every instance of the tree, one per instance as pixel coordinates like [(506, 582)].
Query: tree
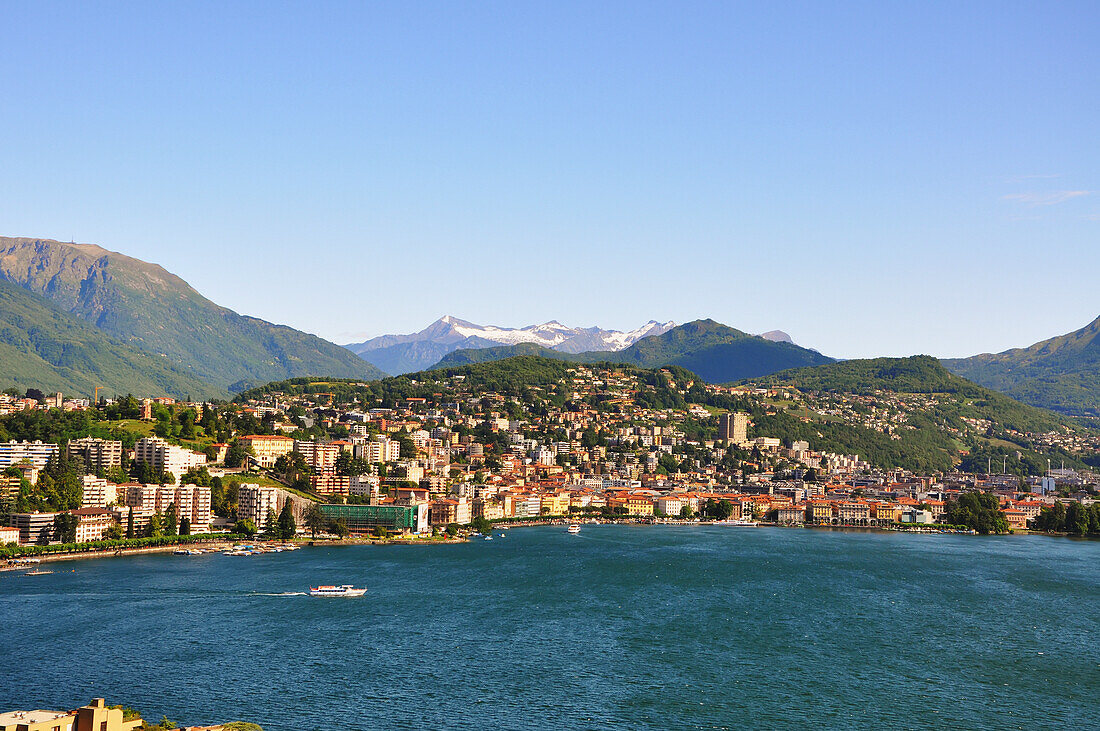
[(197, 476), (185, 526), (245, 528), (482, 525), (686, 512), (270, 522), (286, 528), (156, 527), (338, 527), (114, 532), (313, 519), (64, 527), (980, 511), (171, 520), (236, 455), (451, 530), (130, 523)]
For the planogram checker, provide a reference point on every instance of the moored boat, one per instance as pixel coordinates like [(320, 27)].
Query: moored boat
[(574, 528)]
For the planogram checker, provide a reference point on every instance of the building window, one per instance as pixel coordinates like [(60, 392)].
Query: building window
[(102, 726)]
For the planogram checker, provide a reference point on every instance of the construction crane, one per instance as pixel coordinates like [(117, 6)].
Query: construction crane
[(95, 398)]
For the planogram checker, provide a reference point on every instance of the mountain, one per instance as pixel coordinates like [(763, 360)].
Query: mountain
[(416, 351), (155, 311), (1061, 373), (717, 353), (43, 347), (919, 374)]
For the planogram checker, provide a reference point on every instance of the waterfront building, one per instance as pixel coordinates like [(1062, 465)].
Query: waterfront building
[(99, 454), (36, 453), (362, 519), (267, 448), (95, 716), (254, 502), (34, 528), (165, 457), (8, 535), (92, 523), (142, 517)]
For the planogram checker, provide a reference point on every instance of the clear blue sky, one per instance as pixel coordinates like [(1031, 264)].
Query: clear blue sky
[(875, 178)]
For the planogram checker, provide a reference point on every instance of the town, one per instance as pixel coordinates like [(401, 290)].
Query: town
[(609, 443)]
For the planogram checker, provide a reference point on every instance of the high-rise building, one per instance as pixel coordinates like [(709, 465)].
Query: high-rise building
[(733, 427), (99, 454), (254, 502), (166, 457)]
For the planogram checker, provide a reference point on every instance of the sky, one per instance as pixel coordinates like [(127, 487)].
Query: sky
[(878, 178)]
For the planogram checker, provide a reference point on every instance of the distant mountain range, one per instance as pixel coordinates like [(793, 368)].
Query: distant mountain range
[(1062, 373), (153, 311), (414, 352), (715, 352)]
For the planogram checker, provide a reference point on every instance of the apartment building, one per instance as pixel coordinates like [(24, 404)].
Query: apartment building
[(166, 457), (36, 453), (34, 528), (99, 454), (92, 523), (318, 455), (254, 502), (378, 450), (98, 493)]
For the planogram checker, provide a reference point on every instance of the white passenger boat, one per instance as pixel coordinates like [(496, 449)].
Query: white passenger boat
[(573, 528), (738, 523), (344, 590)]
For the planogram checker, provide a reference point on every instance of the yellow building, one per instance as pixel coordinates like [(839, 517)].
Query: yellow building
[(268, 447), (555, 504)]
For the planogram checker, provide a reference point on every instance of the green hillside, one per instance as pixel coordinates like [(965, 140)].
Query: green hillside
[(155, 311), (715, 352), (1061, 373), (43, 347), (919, 374)]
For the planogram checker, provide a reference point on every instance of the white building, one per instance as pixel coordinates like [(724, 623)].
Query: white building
[(165, 457), (254, 502), (35, 453), (98, 493)]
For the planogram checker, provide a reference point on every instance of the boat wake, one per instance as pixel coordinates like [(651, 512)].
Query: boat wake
[(282, 593)]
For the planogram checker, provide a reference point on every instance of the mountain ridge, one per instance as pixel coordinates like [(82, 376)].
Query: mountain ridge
[(149, 308), (1060, 373), (421, 350), (42, 346), (716, 352)]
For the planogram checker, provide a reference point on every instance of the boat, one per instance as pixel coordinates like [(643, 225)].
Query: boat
[(573, 529), (488, 538), (738, 523), (343, 590), (37, 572)]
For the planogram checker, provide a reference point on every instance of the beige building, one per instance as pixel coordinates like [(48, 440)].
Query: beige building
[(99, 454), (267, 447), (93, 523), (35, 453), (95, 716), (733, 427)]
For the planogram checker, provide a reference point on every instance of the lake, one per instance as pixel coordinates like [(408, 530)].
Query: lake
[(618, 627)]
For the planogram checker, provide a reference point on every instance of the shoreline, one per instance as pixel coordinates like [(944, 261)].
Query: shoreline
[(219, 545)]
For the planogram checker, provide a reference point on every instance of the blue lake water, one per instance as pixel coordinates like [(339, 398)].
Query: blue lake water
[(618, 627)]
